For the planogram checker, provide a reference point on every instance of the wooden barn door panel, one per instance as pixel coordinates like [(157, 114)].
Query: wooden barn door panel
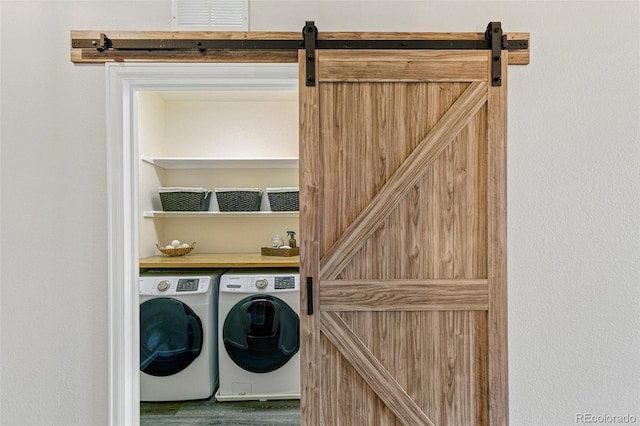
[(401, 228)]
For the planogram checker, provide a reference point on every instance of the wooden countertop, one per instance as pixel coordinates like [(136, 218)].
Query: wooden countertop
[(220, 260)]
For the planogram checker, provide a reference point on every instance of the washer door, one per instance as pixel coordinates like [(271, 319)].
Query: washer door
[(261, 333), (171, 336)]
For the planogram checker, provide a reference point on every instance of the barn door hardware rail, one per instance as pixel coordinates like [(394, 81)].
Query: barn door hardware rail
[(96, 47), (103, 43)]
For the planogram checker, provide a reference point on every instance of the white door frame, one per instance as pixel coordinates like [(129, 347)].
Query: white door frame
[(124, 81)]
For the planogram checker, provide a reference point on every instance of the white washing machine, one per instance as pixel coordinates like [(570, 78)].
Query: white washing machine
[(178, 334), (259, 334)]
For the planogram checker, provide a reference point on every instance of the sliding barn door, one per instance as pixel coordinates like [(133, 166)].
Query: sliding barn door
[(403, 229)]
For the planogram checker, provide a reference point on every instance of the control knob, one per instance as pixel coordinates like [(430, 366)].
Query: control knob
[(164, 285), (262, 283)]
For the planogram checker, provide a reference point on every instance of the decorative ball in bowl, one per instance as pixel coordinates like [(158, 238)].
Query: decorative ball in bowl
[(176, 248)]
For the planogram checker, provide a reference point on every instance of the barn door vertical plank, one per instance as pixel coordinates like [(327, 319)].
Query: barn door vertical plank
[(469, 200), (310, 344), (497, 251)]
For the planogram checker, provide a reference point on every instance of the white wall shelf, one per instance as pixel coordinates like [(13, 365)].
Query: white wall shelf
[(221, 163), (212, 214)]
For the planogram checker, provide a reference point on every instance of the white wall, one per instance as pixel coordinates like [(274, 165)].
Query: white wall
[(151, 117), (264, 124), (574, 197)]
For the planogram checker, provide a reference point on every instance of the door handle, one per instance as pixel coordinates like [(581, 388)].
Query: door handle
[(309, 295)]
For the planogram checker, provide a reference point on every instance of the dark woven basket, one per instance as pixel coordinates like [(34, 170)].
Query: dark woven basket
[(239, 201), (186, 201), (284, 201)]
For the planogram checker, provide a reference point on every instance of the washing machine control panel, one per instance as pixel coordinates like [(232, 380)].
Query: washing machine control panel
[(259, 283), (150, 286)]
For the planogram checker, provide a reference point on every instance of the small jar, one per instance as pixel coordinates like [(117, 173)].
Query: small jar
[(277, 241)]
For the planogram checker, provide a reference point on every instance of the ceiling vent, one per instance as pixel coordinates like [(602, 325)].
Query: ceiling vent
[(210, 15)]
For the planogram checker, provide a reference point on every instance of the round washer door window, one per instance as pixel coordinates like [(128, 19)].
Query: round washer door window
[(171, 336), (261, 333)]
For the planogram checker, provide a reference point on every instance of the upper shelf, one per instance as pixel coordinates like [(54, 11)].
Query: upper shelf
[(222, 163), (181, 214)]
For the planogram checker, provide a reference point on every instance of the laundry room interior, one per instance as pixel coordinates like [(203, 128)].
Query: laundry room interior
[(217, 139), (241, 139)]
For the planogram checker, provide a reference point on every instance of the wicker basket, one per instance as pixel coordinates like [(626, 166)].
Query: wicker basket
[(284, 199), (179, 251), (238, 199), (284, 252), (184, 199)]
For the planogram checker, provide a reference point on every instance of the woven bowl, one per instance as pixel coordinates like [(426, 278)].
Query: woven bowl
[(176, 251)]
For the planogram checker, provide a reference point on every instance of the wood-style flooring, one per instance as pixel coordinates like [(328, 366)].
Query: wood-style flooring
[(211, 412)]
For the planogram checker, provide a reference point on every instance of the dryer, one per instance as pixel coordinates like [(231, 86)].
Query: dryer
[(178, 334), (259, 334)]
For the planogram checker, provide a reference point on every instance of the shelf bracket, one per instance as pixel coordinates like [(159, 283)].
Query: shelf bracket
[(498, 41), (310, 35)]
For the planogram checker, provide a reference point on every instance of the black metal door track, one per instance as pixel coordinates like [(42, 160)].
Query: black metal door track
[(494, 40)]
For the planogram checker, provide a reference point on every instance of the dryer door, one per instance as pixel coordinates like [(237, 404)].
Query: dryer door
[(171, 336), (261, 333)]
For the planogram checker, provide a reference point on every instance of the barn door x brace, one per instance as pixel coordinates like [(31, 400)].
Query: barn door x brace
[(494, 40)]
